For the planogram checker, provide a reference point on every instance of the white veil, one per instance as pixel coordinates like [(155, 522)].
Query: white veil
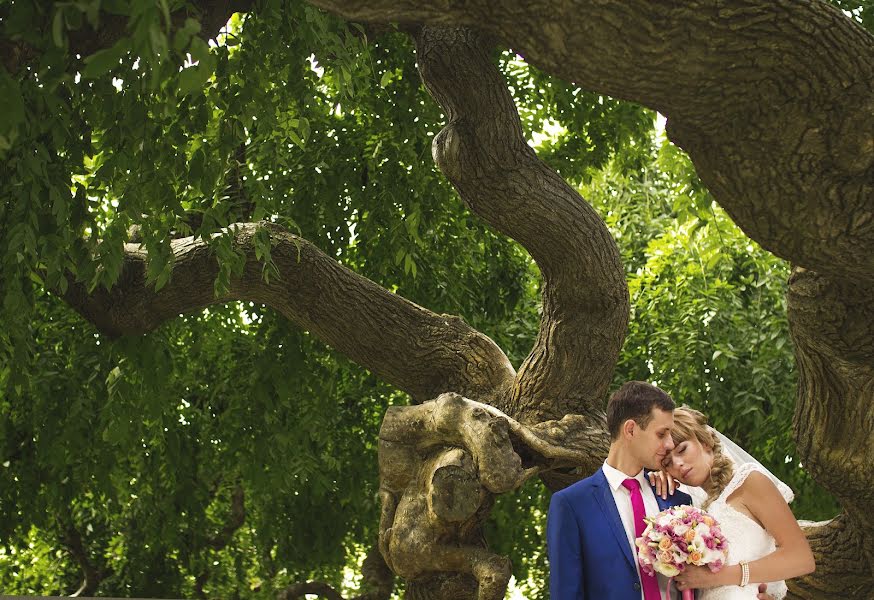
[(740, 457)]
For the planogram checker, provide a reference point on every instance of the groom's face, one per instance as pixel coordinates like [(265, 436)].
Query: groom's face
[(653, 443)]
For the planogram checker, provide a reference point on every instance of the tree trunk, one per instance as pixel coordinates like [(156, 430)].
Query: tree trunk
[(441, 464), (832, 324)]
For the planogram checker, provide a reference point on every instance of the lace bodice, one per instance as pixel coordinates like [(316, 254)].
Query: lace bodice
[(747, 540)]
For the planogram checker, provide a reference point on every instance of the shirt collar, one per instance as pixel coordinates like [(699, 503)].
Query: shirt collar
[(615, 477)]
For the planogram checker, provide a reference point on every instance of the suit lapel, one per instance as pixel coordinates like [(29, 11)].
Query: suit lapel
[(669, 503), (611, 515), (663, 504)]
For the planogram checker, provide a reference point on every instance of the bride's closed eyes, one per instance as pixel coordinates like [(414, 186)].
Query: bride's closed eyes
[(678, 450)]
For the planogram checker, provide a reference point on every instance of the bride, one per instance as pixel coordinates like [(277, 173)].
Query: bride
[(765, 543)]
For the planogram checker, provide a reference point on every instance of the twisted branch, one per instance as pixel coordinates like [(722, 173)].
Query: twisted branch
[(773, 100), (420, 352), (483, 152)]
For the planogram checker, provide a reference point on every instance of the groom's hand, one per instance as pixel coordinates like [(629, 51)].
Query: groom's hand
[(664, 483), (763, 592)]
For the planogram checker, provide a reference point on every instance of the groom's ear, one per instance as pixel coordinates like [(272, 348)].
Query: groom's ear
[(628, 427)]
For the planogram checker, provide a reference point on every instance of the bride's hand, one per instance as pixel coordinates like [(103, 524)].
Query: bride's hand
[(763, 592), (697, 578), (664, 483)]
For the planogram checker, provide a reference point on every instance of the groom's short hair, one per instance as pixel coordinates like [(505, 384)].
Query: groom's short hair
[(635, 400)]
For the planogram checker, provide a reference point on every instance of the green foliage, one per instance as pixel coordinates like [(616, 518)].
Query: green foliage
[(517, 529), (861, 11), (298, 118), (708, 317), (139, 443)]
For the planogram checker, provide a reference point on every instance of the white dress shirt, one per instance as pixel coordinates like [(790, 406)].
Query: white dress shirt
[(622, 497)]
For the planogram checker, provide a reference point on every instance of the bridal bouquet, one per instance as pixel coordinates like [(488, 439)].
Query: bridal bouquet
[(680, 536)]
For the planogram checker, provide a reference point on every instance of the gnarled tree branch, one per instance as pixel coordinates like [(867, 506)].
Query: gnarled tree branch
[(483, 152), (441, 464), (92, 574), (235, 520), (420, 352), (774, 101)]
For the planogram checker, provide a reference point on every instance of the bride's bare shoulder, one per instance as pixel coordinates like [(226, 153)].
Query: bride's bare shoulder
[(757, 488), (749, 481)]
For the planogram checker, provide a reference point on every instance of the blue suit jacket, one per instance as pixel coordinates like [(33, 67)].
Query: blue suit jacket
[(589, 555)]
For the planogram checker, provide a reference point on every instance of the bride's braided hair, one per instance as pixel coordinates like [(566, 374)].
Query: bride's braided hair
[(689, 423)]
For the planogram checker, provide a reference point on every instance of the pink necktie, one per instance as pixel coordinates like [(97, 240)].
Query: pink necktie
[(650, 584)]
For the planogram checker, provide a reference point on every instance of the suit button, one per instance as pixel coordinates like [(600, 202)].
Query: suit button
[(636, 586)]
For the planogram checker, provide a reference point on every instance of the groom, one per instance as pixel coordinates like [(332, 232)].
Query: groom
[(592, 524)]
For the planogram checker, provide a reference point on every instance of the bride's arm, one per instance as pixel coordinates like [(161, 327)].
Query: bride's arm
[(793, 557)]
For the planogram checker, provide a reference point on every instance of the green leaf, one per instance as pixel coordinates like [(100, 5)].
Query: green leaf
[(304, 129), (92, 12), (158, 40), (200, 50), (104, 60), (183, 35), (195, 167), (295, 138), (112, 379), (58, 28), (163, 277), (11, 104), (165, 11), (193, 79)]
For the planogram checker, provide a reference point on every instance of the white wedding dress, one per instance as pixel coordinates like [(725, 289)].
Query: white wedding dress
[(747, 540)]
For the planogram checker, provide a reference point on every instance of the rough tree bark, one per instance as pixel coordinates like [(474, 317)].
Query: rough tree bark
[(774, 101), (441, 464), (483, 152), (420, 352), (832, 323)]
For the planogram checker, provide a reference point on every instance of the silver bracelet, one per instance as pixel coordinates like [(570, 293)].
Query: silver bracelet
[(744, 573)]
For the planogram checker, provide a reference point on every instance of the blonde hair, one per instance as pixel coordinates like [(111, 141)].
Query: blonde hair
[(690, 423)]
